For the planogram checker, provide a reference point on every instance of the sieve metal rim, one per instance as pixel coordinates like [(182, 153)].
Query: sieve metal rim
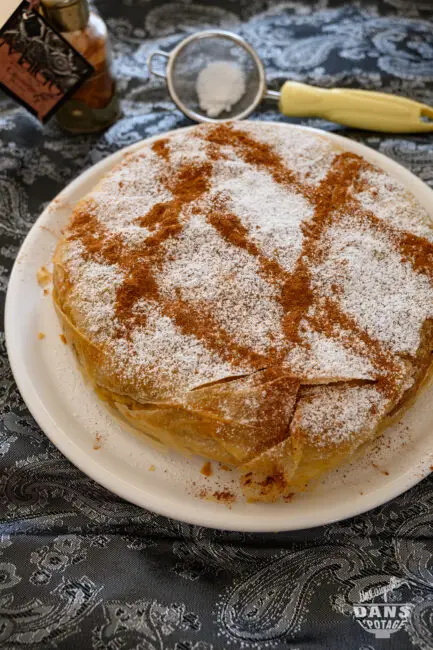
[(210, 33)]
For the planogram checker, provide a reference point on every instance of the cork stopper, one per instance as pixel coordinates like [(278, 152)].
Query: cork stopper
[(66, 15)]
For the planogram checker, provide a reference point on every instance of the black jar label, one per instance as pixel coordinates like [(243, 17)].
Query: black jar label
[(38, 67)]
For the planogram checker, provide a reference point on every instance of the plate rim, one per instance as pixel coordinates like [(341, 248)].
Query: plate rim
[(141, 496)]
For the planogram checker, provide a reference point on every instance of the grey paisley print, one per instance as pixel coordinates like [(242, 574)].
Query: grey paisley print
[(80, 568)]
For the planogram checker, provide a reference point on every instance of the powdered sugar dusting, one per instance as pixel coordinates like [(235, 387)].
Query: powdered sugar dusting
[(374, 285), (208, 271), (93, 299), (128, 193), (327, 359), (331, 415), (388, 199), (308, 154), (187, 362), (186, 149), (273, 214)]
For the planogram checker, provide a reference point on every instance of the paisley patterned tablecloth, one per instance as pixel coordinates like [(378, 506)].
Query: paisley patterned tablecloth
[(79, 568)]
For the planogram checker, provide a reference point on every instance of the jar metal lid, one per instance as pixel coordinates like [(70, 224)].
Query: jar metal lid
[(66, 15)]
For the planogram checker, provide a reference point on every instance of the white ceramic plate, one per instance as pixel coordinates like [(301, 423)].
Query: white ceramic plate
[(73, 418)]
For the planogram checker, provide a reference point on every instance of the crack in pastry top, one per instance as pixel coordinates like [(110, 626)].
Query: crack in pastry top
[(227, 249)]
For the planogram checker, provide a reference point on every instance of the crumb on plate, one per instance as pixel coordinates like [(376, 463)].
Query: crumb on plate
[(379, 469), (221, 496), (43, 276), (206, 470), (98, 442)]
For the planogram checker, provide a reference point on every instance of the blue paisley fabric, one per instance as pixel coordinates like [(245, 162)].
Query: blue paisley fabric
[(80, 568)]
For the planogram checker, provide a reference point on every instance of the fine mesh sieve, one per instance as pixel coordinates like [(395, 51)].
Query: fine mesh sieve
[(193, 54), (362, 109)]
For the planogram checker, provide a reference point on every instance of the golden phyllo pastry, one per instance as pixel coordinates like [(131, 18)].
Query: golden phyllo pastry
[(253, 294)]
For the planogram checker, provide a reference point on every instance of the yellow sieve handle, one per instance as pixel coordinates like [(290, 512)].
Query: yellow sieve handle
[(361, 109)]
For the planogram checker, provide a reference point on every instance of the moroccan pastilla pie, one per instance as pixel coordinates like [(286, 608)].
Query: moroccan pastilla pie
[(252, 294)]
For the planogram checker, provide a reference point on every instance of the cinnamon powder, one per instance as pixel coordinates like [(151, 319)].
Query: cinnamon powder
[(162, 148)]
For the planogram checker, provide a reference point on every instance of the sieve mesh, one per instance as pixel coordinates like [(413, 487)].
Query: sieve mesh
[(195, 55)]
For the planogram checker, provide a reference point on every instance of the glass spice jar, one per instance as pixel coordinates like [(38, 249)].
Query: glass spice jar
[(95, 105)]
